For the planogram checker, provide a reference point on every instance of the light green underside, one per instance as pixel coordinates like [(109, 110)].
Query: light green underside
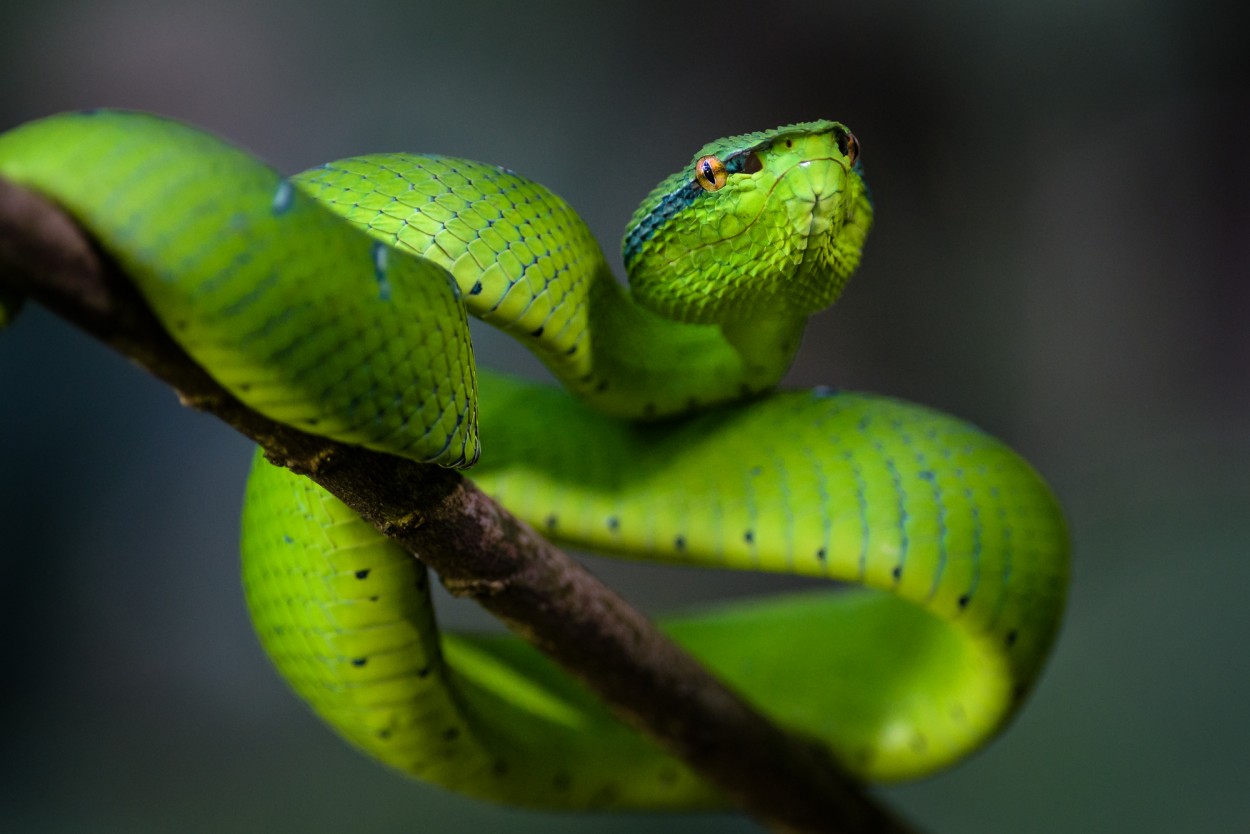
[(314, 323)]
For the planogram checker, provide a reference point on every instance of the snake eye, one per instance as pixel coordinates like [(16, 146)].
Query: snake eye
[(848, 145), (710, 173)]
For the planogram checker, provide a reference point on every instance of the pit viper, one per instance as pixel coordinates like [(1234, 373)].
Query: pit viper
[(335, 301)]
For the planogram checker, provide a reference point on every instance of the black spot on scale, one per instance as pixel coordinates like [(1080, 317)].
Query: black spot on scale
[(963, 601), (680, 542), (925, 475), (897, 573), (822, 554), (476, 289), (614, 523), (384, 734), (288, 540), (748, 536), (552, 521), (359, 661), (1011, 638), (374, 598), (423, 672), (362, 573), (601, 387), (538, 332)]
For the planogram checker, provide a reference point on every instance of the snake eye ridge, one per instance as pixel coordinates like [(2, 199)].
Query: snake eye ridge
[(710, 173)]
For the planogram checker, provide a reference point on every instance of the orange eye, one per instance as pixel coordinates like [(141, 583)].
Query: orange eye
[(710, 172)]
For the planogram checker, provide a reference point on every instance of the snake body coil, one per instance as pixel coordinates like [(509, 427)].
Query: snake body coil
[(336, 302)]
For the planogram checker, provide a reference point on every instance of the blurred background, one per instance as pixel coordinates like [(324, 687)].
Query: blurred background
[(1061, 255)]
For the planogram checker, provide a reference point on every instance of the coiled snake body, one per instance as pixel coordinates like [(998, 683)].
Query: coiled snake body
[(335, 302)]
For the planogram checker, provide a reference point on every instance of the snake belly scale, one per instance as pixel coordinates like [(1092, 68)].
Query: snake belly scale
[(336, 301)]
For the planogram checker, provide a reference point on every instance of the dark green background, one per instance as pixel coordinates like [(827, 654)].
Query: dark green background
[(1061, 255)]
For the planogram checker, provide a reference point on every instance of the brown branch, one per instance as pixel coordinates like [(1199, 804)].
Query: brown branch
[(477, 548)]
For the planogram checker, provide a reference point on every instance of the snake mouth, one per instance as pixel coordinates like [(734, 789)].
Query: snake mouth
[(822, 268), (817, 199), (822, 208)]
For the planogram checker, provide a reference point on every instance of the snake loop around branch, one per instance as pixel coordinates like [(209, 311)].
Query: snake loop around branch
[(336, 302)]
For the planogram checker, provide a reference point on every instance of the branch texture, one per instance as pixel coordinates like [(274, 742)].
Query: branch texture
[(477, 548)]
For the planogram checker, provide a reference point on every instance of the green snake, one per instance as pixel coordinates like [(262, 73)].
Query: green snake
[(335, 301)]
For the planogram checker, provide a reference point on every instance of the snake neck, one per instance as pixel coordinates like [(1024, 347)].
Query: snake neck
[(528, 265), (643, 366)]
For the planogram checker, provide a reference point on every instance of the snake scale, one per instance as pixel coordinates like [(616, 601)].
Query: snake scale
[(335, 301)]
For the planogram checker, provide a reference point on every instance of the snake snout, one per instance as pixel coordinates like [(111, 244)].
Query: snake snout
[(816, 179)]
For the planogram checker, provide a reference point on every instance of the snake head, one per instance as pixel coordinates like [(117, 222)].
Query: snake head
[(763, 223)]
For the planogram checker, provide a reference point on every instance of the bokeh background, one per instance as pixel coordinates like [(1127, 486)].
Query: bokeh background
[(1061, 255)]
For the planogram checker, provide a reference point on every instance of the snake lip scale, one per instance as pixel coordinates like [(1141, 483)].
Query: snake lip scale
[(336, 302)]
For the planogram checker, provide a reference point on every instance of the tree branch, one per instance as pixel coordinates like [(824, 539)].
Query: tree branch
[(477, 548)]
